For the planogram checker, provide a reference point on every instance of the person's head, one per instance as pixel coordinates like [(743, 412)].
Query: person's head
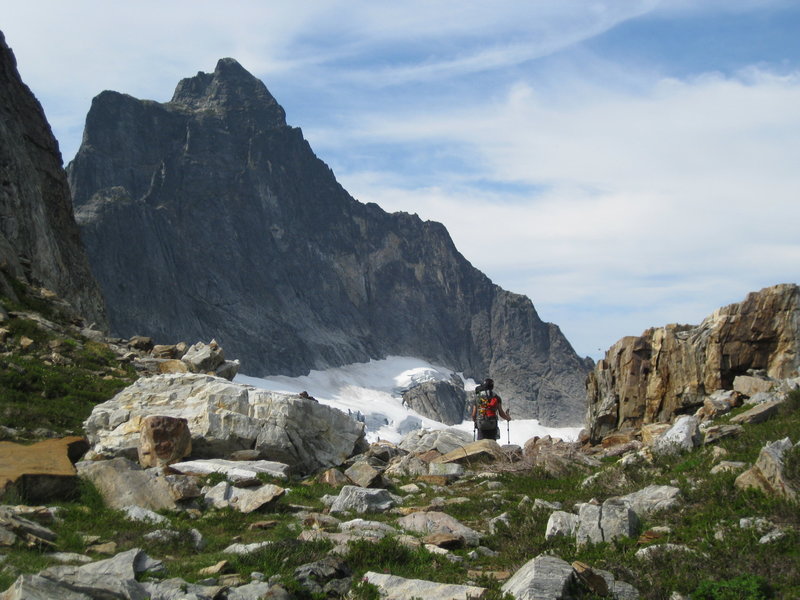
[(488, 383)]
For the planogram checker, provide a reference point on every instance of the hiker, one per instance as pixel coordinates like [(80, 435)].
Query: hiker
[(485, 410)]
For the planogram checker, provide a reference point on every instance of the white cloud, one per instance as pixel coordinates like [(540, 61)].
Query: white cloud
[(619, 198), (657, 204)]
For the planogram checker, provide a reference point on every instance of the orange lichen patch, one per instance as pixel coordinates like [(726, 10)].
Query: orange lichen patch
[(40, 469)]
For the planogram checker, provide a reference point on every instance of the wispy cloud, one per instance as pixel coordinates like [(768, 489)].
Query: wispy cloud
[(636, 202), (620, 190)]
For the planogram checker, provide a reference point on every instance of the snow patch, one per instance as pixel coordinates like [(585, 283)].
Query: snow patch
[(371, 392)]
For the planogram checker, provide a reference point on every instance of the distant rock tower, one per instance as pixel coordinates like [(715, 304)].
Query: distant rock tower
[(39, 240)]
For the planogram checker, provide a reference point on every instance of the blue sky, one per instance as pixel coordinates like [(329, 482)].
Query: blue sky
[(624, 164)]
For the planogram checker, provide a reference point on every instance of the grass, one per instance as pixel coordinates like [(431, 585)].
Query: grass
[(58, 378), (726, 560), (34, 394)]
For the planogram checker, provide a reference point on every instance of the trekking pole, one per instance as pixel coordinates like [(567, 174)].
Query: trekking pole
[(508, 426)]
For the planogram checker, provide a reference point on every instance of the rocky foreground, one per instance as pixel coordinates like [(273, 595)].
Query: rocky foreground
[(183, 446)]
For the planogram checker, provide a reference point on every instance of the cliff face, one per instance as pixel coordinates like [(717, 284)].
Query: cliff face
[(39, 240), (671, 369), (208, 216)]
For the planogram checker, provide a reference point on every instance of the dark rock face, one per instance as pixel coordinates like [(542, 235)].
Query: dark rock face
[(442, 401), (39, 240), (208, 217)]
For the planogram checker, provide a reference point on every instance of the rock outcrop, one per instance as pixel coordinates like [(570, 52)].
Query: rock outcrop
[(39, 240), (670, 370), (225, 417), (250, 239), (768, 473), (443, 401)]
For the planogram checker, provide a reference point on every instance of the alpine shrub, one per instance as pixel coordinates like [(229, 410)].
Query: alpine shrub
[(744, 587)]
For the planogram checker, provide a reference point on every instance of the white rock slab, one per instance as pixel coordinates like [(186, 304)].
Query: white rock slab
[(393, 587), (233, 470)]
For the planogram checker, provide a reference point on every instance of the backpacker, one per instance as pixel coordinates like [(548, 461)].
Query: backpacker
[(487, 412)]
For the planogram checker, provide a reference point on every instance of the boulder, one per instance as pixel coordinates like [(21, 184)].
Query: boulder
[(605, 523), (541, 578), (34, 587), (137, 513), (352, 498), (163, 440), (408, 465), (168, 351), (442, 440), (333, 477), (363, 528), (228, 369), (443, 401), (451, 470), (603, 584), (178, 589), (245, 549), (762, 397), (652, 499), (758, 414), (473, 452), (111, 578), (439, 522), (557, 457), (392, 587), (683, 436), (658, 552), (15, 528), (715, 433), (224, 417), (591, 579), (42, 471), (714, 406), (141, 342), (363, 474), (244, 500), (171, 366), (122, 483), (238, 471), (204, 358), (670, 370), (767, 474), (748, 385), (561, 524), (728, 466), (329, 577)]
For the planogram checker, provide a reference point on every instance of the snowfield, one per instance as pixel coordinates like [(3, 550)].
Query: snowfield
[(372, 392)]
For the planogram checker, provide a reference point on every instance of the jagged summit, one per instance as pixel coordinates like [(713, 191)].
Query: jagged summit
[(230, 88), (250, 240)]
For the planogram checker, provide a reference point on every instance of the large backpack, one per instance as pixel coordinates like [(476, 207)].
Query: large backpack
[(485, 421)]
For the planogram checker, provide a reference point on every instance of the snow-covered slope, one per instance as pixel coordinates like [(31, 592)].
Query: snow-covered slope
[(372, 392)]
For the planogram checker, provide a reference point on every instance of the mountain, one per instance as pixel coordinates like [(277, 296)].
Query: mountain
[(209, 217), (39, 239)]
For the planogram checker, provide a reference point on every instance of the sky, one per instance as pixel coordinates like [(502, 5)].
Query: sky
[(625, 164), (373, 392)]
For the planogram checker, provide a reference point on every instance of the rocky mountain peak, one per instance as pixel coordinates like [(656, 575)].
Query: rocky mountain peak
[(251, 240), (230, 89)]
